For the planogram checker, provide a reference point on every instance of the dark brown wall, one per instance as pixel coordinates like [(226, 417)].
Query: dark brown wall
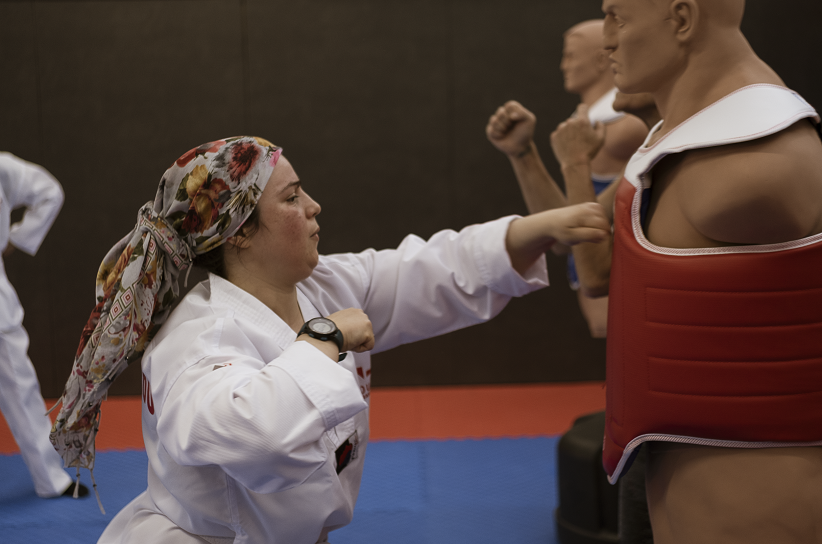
[(379, 104)]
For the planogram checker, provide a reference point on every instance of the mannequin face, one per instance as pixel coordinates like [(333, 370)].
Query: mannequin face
[(641, 39), (583, 61)]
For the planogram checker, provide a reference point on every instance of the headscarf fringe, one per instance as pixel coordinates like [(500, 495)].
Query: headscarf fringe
[(96, 494), (77, 485), (188, 271), (56, 404)]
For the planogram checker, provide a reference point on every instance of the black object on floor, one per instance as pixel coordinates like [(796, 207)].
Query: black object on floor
[(588, 511), (592, 511), (69, 492), (634, 521)]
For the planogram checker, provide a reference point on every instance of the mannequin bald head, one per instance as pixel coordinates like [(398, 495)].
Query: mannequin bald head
[(720, 12), (727, 13), (589, 30), (653, 42), (585, 62)]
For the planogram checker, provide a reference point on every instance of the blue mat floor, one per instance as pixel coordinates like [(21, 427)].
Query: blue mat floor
[(426, 492)]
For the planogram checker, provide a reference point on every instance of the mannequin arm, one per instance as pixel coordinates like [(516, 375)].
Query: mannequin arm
[(539, 190)]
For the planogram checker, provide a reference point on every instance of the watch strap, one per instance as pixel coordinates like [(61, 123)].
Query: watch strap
[(336, 336)]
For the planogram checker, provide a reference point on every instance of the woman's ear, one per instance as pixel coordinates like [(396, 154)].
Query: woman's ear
[(685, 16), (239, 241)]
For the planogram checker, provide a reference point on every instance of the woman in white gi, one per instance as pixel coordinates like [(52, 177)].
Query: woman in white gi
[(23, 184), (255, 412)]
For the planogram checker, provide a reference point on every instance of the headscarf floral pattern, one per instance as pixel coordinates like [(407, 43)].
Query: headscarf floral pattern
[(202, 200)]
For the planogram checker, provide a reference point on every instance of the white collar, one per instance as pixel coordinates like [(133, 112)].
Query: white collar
[(244, 305)]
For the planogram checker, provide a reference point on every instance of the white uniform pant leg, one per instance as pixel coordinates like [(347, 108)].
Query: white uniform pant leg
[(25, 412)]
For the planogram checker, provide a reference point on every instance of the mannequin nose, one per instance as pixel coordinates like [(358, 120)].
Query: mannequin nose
[(609, 31)]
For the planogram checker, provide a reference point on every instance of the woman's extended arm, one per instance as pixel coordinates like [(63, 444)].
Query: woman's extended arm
[(529, 237)]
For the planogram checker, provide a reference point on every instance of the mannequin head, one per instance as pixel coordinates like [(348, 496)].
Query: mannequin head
[(585, 63), (653, 42)]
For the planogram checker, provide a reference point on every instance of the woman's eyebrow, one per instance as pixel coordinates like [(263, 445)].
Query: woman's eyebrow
[(290, 185)]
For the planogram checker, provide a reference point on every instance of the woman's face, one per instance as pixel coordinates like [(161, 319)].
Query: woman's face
[(284, 248)]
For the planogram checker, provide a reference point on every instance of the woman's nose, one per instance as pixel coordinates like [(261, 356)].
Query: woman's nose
[(313, 209)]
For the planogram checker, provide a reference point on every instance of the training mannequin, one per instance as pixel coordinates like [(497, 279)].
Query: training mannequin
[(586, 71), (716, 360)]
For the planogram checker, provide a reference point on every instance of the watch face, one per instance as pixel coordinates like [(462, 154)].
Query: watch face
[(322, 326)]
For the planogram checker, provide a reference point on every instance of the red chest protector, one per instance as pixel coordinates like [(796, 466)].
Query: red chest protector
[(719, 346)]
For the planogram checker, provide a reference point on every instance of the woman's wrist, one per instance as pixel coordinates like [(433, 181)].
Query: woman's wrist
[(328, 347)]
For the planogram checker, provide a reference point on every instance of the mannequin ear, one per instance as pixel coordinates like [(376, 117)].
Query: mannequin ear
[(685, 15)]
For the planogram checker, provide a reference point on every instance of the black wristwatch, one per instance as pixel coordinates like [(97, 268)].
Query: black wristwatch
[(324, 329)]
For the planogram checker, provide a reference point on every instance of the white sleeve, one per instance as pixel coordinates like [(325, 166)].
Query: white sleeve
[(455, 279), (263, 427), (29, 185)]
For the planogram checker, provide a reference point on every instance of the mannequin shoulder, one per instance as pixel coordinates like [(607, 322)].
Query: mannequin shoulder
[(623, 137), (759, 192)]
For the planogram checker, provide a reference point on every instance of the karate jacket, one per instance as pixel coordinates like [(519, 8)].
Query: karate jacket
[(23, 184), (253, 436)]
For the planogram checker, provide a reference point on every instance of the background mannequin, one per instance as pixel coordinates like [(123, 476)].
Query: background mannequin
[(586, 70)]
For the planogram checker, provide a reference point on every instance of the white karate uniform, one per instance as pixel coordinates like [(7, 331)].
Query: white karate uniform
[(31, 186), (241, 422)]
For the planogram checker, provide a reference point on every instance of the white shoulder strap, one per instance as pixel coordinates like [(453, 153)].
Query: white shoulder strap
[(747, 114), (603, 109)]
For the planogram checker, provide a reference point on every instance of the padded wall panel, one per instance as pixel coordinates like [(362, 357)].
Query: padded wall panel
[(381, 106), (356, 92)]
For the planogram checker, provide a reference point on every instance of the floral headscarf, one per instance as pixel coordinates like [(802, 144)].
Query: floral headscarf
[(203, 199)]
